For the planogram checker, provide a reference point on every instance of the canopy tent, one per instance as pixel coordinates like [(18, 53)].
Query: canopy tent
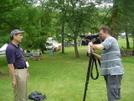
[(3, 49)]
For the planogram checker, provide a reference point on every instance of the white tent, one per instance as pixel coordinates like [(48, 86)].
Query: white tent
[(3, 49), (53, 43)]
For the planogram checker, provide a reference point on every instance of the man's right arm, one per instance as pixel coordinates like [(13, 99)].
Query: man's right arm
[(96, 46), (97, 56), (12, 73)]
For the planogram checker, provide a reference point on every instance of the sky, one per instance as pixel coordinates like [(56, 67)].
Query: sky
[(97, 5)]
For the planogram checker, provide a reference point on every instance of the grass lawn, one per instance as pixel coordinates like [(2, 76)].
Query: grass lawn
[(62, 78)]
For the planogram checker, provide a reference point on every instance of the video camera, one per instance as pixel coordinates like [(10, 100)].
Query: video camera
[(87, 38)]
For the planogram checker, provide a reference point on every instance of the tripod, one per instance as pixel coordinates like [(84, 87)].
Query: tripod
[(91, 63)]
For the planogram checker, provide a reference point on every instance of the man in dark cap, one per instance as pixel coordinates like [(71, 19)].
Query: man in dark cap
[(17, 66)]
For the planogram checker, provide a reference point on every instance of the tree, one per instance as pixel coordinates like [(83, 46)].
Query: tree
[(127, 19), (77, 16), (25, 15), (122, 17), (12, 16), (81, 15), (8, 22), (38, 27)]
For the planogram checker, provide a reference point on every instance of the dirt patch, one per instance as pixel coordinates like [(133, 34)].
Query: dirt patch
[(126, 53), (3, 75)]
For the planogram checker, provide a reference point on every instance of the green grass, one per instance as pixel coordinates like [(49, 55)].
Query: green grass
[(62, 78)]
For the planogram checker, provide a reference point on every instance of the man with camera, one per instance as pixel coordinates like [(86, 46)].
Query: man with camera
[(111, 65)]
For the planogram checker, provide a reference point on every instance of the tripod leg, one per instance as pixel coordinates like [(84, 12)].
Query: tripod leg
[(87, 78)]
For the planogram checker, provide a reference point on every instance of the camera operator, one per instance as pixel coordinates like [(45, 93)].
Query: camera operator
[(111, 66)]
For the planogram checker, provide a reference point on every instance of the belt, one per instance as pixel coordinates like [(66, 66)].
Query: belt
[(21, 68)]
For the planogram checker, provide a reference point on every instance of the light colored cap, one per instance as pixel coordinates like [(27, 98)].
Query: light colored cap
[(15, 31)]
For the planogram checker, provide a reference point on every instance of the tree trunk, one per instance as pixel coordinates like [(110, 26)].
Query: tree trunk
[(63, 38), (76, 48), (127, 41), (133, 38), (115, 17)]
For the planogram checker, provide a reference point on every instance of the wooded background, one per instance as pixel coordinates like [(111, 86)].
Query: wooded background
[(64, 20)]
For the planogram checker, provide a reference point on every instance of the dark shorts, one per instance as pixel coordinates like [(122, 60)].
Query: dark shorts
[(113, 84)]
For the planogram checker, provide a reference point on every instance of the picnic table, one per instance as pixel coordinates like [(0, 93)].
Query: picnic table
[(33, 56)]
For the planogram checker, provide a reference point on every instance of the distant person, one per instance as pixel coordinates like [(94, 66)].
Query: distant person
[(132, 53), (111, 65), (122, 51), (17, 66)]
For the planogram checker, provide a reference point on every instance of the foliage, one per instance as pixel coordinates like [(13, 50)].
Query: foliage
[(41, 19), (28, 18)]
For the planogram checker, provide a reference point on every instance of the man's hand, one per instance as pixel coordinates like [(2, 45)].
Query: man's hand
[(28, 75), (14, 83), (90, 43), (91, 50)]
